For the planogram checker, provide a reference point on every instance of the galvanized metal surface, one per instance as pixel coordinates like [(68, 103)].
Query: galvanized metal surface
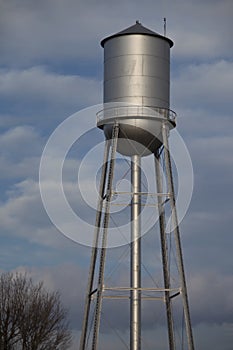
[(98, 307), (137, 72), (122, 110), (164, 253), (135, 271), (99, 213), (135, 138), (180, 262)]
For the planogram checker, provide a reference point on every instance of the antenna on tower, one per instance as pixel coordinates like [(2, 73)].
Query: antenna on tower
[(164, 26)]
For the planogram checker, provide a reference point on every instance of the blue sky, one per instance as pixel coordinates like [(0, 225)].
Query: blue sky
[(51, 67)]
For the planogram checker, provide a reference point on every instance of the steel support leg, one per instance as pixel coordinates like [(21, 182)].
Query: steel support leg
[(164, 250), (135, 297), (180, 263), (95, 246), (98, 308)]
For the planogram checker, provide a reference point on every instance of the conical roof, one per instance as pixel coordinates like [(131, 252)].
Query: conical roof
[(137, 28)]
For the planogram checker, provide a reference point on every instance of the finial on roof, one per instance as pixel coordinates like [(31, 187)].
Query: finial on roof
[(138, 22)]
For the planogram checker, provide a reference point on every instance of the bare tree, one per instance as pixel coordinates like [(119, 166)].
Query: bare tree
[(31, 318)]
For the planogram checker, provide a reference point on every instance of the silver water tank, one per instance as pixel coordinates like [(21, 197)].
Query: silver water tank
[(136, 88)]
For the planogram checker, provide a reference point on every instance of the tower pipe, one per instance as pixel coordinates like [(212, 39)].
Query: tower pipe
[(135, 294)]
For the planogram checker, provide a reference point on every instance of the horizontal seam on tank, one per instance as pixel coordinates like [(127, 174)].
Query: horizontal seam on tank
[(113, 100), (132, 75), (137, 54)]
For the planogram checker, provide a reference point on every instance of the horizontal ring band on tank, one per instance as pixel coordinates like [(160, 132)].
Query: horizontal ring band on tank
[(136, 111)]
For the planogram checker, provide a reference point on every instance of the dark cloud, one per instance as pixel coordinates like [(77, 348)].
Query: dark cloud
[(56, 31)]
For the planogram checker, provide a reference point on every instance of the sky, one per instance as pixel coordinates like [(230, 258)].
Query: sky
[(51, 66)]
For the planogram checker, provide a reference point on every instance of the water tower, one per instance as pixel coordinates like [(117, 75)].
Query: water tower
[(136, 121)]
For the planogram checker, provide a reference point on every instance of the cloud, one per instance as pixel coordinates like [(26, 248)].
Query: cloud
[(16, 142), (23, 216), (40, 93), (201, 30), (217, 327), (213, 336), (58, 279), (204, 86), (20, 151), (39, 31), (211, 307), (202, 301), (54, 32), (23, 204)]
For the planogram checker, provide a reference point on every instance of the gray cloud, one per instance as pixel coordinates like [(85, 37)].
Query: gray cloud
[(205, 86), (210, 293), (49, 29), (35, 32), (45, 97)]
